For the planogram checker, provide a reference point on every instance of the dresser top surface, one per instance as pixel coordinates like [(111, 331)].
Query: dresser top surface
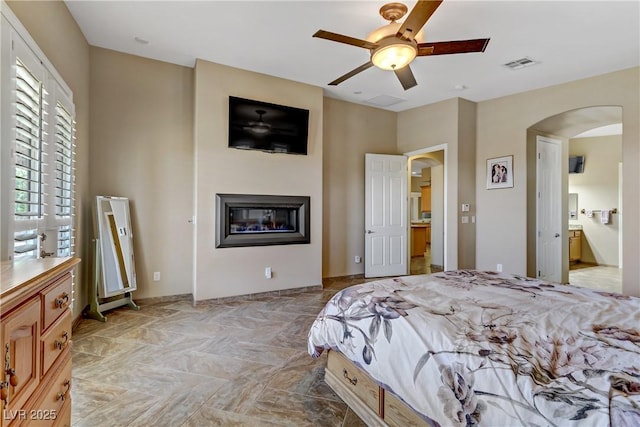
[(20, 274)]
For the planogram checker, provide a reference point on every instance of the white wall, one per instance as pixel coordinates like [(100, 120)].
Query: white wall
[(597, 188), (223, 272)]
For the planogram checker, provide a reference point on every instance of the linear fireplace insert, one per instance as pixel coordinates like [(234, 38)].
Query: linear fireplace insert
[(259, 219)]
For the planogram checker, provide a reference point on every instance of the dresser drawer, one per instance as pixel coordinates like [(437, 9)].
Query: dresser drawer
[(398, 414), (55, 300), (355, 380), (63, 418), (20, 344), (55, 341), (50, 405)]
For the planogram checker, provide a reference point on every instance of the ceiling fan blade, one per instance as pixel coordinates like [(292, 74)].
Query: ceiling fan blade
[(405, 75), (351, 73), (416, 19), (340, 38), (447, 48)]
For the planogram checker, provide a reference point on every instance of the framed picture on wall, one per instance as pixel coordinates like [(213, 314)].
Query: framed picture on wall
[(500, 172)]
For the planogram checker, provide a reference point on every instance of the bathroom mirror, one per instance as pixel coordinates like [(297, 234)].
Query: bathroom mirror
[(573, 206)]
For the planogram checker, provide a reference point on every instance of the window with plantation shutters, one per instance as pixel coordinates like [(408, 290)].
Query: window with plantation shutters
[(28, 161), (64, 176), (37, 179)]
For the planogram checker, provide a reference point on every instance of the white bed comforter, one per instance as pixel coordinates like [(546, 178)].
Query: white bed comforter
[(491, 349)]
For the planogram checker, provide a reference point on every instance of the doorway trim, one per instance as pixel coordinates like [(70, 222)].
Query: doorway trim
[(412, 155)]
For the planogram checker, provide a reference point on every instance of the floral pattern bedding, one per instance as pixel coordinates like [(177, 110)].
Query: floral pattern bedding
[(466, 348)]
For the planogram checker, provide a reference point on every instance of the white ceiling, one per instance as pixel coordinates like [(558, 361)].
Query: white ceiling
[(570, 40)]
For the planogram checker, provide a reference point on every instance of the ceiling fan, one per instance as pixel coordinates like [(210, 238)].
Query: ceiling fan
[(261, 128), (395, 45), (258, 127)]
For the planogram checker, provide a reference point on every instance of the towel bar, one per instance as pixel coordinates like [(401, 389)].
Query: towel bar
[(613, 211)]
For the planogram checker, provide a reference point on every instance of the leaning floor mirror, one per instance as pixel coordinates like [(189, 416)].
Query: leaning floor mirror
[(115, 246)]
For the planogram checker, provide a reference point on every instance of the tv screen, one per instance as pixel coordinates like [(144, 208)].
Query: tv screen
[(576, 164), (256, 125)]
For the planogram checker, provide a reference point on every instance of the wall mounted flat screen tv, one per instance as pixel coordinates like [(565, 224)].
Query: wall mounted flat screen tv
[(576, 164), (256, 125)]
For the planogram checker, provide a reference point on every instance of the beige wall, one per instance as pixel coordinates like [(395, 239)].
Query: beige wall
[(350, 131), (502, 130), (222, 272), (466, 183), (142, 148), (597, 188), (55, 31), (450, 123)]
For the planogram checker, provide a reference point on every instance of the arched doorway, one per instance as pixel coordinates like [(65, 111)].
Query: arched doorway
[(590, 244)]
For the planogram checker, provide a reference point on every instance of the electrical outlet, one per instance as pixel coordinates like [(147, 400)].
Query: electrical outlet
[(357, 259), (498, 267), (267, 272), (156, 276)]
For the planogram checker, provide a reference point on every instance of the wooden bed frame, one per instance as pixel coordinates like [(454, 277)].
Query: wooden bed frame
[(372, 403)]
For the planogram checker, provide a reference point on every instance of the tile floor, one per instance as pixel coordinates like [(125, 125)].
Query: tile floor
[(598, 277), (422, 264), (220, 363)]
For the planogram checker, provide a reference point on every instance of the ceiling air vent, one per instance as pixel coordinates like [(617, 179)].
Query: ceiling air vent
[(520, 63)]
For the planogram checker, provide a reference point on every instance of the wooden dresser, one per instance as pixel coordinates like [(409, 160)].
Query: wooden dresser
[(35, 333)]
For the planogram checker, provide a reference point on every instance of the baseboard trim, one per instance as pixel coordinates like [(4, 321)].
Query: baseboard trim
[(328, 280), (249, 297)]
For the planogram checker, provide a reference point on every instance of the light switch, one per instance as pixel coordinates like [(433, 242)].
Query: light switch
[(465, 219)]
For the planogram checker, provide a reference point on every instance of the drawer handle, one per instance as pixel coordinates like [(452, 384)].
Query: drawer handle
[(13, 378), (63, 394), (62, 301), (353, 380), (61, 344)]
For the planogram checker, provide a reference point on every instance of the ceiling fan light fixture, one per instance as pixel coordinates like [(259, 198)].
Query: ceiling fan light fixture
[(258, 128), (394, 56), (390, 30)]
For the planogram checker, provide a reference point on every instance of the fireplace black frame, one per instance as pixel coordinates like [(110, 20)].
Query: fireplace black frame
[(224, 202)]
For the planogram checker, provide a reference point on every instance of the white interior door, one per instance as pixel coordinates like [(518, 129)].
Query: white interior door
[(549, 211), (386, 228)]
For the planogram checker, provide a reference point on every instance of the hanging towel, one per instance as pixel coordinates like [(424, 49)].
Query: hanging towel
[(589, 213), (605, 216)]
